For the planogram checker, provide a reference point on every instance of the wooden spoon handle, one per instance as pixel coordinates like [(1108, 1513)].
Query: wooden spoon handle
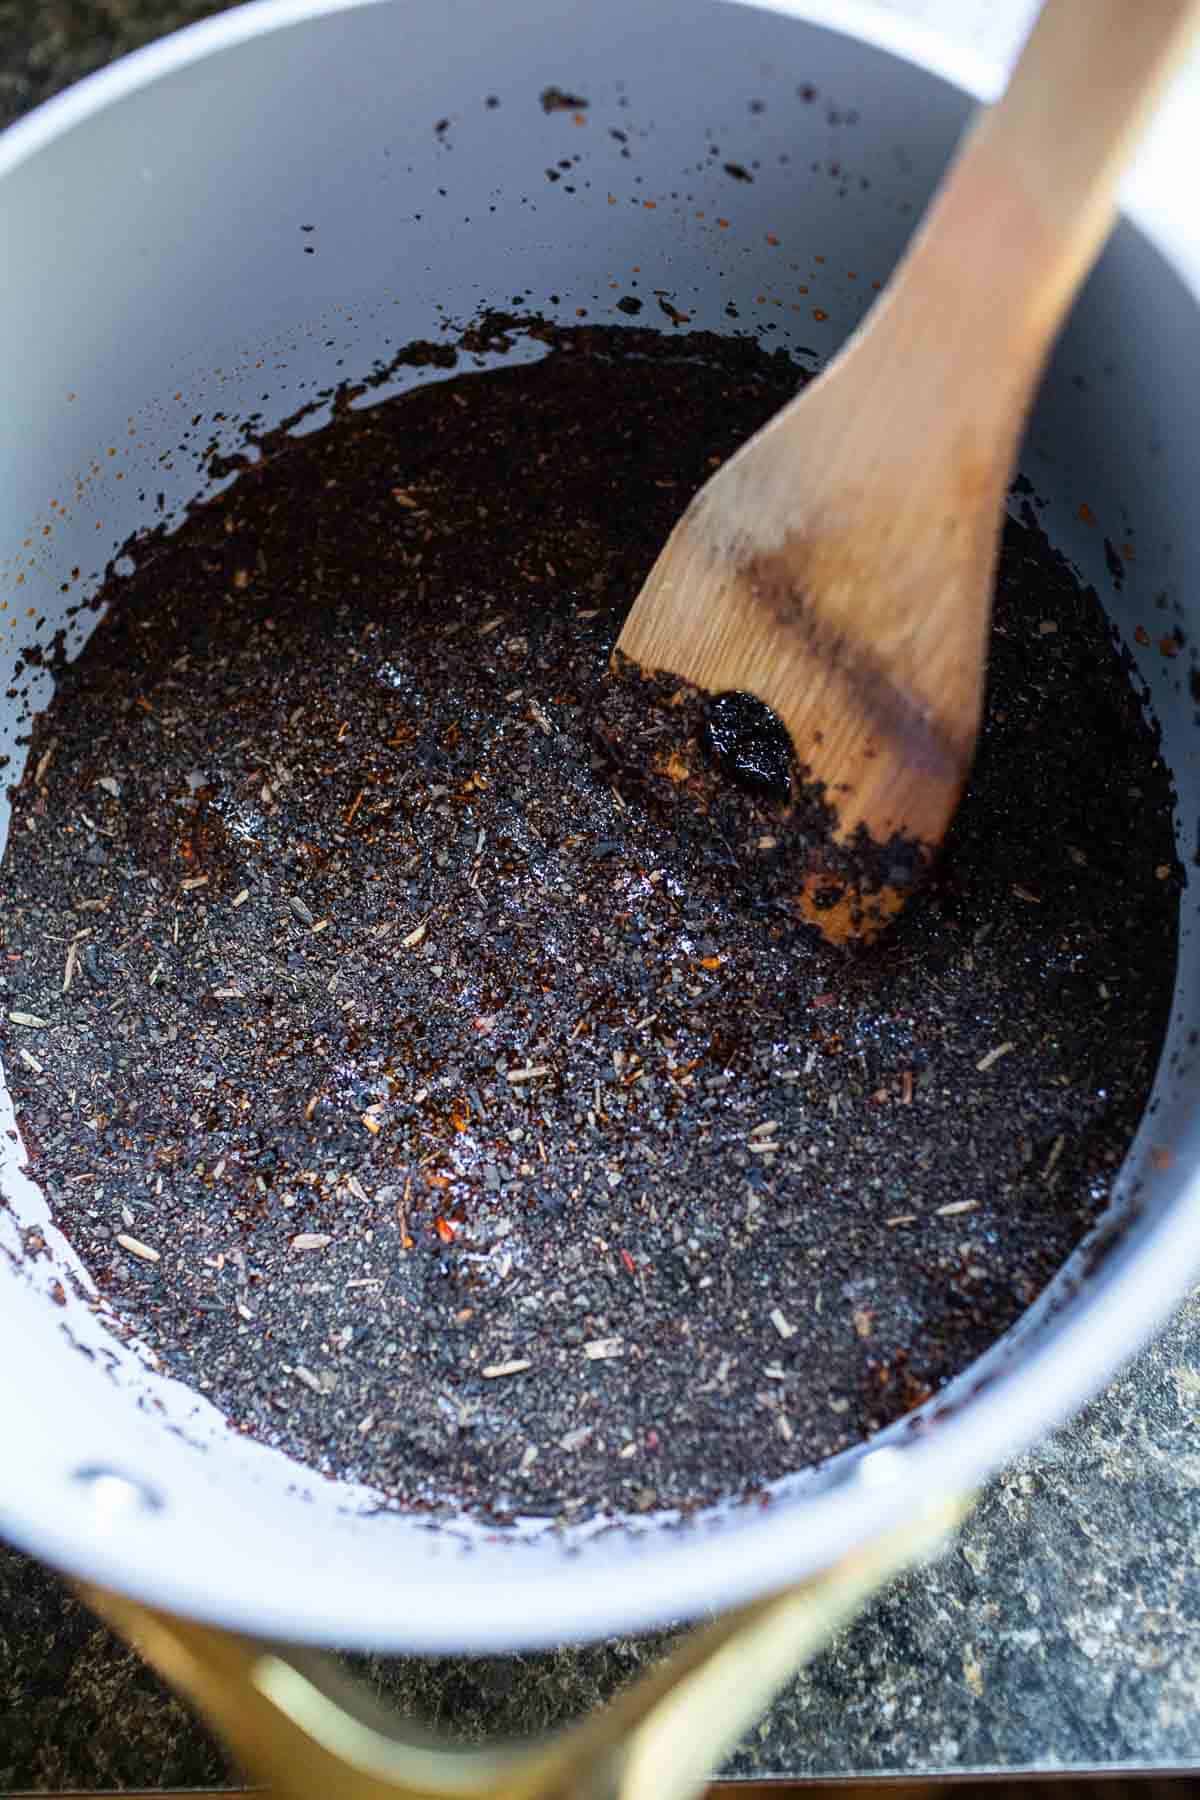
[(1082, 91), (1032, 195)]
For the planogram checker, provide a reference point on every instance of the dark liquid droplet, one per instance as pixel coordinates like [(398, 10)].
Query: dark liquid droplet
[(750, 746)]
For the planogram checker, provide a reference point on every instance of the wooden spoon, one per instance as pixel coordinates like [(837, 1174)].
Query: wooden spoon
[(840, 566)]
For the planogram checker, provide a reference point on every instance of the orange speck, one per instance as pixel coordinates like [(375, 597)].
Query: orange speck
[(438, 1181), (1086, 515), (460, 1114), (802, 289), (710, 962), (612, 199), (818, 259), (819, 313), (1127, 552), (1141, 635), (445, 1230), (581, 312), (771, 238), (1161, 1157), (724, 224), (851, 274), (1169, 646), (699, 215), (650, 205), (579, 118)]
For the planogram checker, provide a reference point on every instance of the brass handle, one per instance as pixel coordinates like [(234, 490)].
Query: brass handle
[(298, 1725)]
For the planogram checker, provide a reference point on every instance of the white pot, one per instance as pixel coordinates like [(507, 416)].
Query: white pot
[(154, 268)]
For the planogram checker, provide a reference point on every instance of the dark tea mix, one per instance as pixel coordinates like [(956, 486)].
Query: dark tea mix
[(454, 1111)]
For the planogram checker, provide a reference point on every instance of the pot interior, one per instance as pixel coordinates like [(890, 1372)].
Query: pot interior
[(198, 239)]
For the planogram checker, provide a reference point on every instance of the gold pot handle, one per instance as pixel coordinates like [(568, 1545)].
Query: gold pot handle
[(301, 1727)]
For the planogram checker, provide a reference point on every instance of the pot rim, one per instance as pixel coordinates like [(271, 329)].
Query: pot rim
[(434, 1605)]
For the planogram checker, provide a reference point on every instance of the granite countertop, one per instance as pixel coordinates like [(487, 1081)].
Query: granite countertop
[(1061, 1630)]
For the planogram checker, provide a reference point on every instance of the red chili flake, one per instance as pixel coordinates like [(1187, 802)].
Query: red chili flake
[(819, 313), (445, 1230), (630, 1265), (771, 238), (1142, 635)]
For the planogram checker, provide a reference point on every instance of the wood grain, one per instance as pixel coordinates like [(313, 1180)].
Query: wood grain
[(840, 566)]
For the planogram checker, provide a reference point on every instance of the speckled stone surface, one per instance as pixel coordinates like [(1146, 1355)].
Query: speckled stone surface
[(1062, 1630)]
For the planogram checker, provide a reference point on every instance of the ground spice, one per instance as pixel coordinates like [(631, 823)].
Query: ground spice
[(450, 1109)]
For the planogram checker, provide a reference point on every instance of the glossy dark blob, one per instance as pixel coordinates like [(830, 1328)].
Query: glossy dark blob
[(824, 899), (749, 745)]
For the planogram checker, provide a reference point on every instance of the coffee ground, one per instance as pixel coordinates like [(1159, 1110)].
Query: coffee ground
[(461, 1118)]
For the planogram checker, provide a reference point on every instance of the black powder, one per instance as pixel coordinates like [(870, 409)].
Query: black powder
[(457, 1114)]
